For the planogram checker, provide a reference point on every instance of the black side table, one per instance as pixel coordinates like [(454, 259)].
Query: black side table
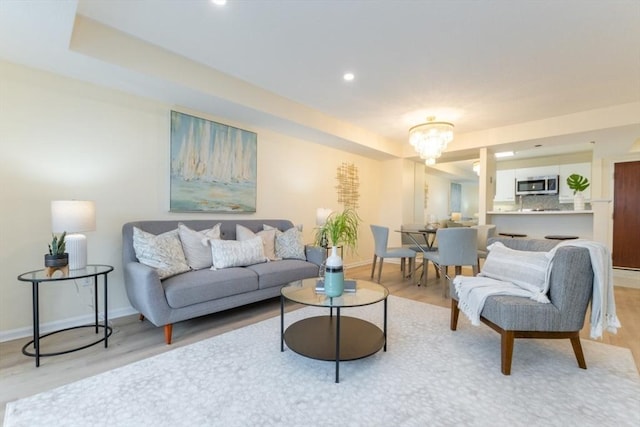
[(38, 276)]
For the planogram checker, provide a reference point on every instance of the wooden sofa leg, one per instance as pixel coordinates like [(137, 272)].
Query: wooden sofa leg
[(455, 311), (507, 351), (168, 329), (141, 317), (577, 349)]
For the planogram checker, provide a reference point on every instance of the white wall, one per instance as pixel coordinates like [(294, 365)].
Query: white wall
[(64, 139), (438, 196)]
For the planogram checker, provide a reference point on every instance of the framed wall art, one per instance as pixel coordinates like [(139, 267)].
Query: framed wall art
[(213, 166)]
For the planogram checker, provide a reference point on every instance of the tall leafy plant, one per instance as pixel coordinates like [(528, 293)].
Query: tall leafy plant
[(341, 229)]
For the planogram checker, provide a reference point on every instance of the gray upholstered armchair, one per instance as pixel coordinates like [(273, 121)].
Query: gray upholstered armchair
[(571, 286)]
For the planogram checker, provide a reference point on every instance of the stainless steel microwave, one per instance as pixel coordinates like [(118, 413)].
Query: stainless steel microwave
[(537, 185)]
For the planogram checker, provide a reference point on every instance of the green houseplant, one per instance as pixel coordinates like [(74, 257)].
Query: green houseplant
[(57, 257), (341, 229), (578, 184)]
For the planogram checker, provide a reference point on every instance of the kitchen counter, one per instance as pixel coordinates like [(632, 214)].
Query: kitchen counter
[(532, 212), (538, 224)]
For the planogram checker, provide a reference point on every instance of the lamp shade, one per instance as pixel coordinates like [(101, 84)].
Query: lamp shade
[(321, 216), (73, 216)]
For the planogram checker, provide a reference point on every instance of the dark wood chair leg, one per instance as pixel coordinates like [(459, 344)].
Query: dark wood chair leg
[(577, 349), (380, 268), (141, 317), (507, 350), (168, 329), (373, 266), (455, 311)]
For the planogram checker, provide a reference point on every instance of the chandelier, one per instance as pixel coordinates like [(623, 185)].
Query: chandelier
[(430, 139)]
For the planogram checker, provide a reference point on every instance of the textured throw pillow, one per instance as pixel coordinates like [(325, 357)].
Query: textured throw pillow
[(523, 268), (268, 239), (162, 252), (289, 243), (195, 246), (234, 253)]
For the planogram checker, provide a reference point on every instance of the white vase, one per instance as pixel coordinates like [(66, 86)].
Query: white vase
[(333, 275), (578, 201)]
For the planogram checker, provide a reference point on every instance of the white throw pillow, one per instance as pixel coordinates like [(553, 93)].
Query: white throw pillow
[(195, 246), (268, 239), (162, 252), (234, 253), (527, 269), (288, 243)]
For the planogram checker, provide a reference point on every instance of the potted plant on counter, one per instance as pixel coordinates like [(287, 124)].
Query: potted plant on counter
[(340, 229), (578, 184)]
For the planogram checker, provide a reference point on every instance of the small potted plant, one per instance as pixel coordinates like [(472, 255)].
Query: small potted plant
[(578, 184), (340, 229), (57, 257)]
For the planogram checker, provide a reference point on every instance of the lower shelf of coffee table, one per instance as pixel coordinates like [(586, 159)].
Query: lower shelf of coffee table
[(315, 337)]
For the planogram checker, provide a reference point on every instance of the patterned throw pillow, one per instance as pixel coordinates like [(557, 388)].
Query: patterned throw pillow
[(289, 243), (195, 245), (162, 252), (234, 253), (268, 239), (526, 269)]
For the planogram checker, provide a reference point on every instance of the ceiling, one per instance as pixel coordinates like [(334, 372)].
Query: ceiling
[(493, 68)]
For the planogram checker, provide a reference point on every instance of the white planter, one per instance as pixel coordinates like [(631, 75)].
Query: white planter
[(578, 201)]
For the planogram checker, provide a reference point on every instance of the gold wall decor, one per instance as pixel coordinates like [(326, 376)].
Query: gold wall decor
[(348, 185)]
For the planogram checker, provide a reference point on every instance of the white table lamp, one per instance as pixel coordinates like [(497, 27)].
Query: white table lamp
[(74, 217)]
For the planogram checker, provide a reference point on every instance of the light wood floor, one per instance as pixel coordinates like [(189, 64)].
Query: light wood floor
[(133, 340)]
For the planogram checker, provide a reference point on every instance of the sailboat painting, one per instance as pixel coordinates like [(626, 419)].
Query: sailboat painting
[(213, 166)]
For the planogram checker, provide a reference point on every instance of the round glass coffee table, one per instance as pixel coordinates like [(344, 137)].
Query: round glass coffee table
[(334, 337)]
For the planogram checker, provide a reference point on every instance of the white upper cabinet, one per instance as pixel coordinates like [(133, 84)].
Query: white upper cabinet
[(505, 186), (566, 194), (524, 173)]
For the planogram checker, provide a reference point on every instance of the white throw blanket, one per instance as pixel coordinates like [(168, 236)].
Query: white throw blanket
[(473, 291), (603, 303)]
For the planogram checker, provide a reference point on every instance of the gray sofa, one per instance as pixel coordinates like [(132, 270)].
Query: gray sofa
[(570, 290), (201, 292)]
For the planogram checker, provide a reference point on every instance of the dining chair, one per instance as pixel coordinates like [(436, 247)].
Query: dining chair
[(457, 247), (484, 233), (381, 239)]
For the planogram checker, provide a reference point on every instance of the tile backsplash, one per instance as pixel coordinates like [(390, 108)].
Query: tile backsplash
[(546, 202)]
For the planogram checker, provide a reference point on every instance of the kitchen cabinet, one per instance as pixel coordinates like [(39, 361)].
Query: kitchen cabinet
[(505, 186), (524, 173), (566, 194)]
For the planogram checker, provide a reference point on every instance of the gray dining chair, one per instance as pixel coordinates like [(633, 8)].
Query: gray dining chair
[(485, 232), (381, 239), (457, 247)]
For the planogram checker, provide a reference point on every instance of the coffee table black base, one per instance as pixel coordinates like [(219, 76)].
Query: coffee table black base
[(315, 337)]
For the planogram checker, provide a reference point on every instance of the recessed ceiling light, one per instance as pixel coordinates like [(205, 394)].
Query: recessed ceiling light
[(504, 154), (348, 77), (219, 2)]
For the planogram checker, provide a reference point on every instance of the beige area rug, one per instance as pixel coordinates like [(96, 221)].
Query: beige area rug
[(429, 376)]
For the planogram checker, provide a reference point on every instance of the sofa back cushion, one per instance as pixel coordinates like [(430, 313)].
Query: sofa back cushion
[(227, 229)]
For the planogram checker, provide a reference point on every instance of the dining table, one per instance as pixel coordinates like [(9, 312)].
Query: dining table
[(424, 239)]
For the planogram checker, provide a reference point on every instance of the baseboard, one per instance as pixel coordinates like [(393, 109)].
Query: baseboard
[(626, 278), (87, 319)]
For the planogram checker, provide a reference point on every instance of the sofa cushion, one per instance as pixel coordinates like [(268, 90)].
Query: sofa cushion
[(521, 314), (527, 269), (162, 252), (276, 273), (268, 239), (234, 253), (195, 246), (199, 286), (289, 243)]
